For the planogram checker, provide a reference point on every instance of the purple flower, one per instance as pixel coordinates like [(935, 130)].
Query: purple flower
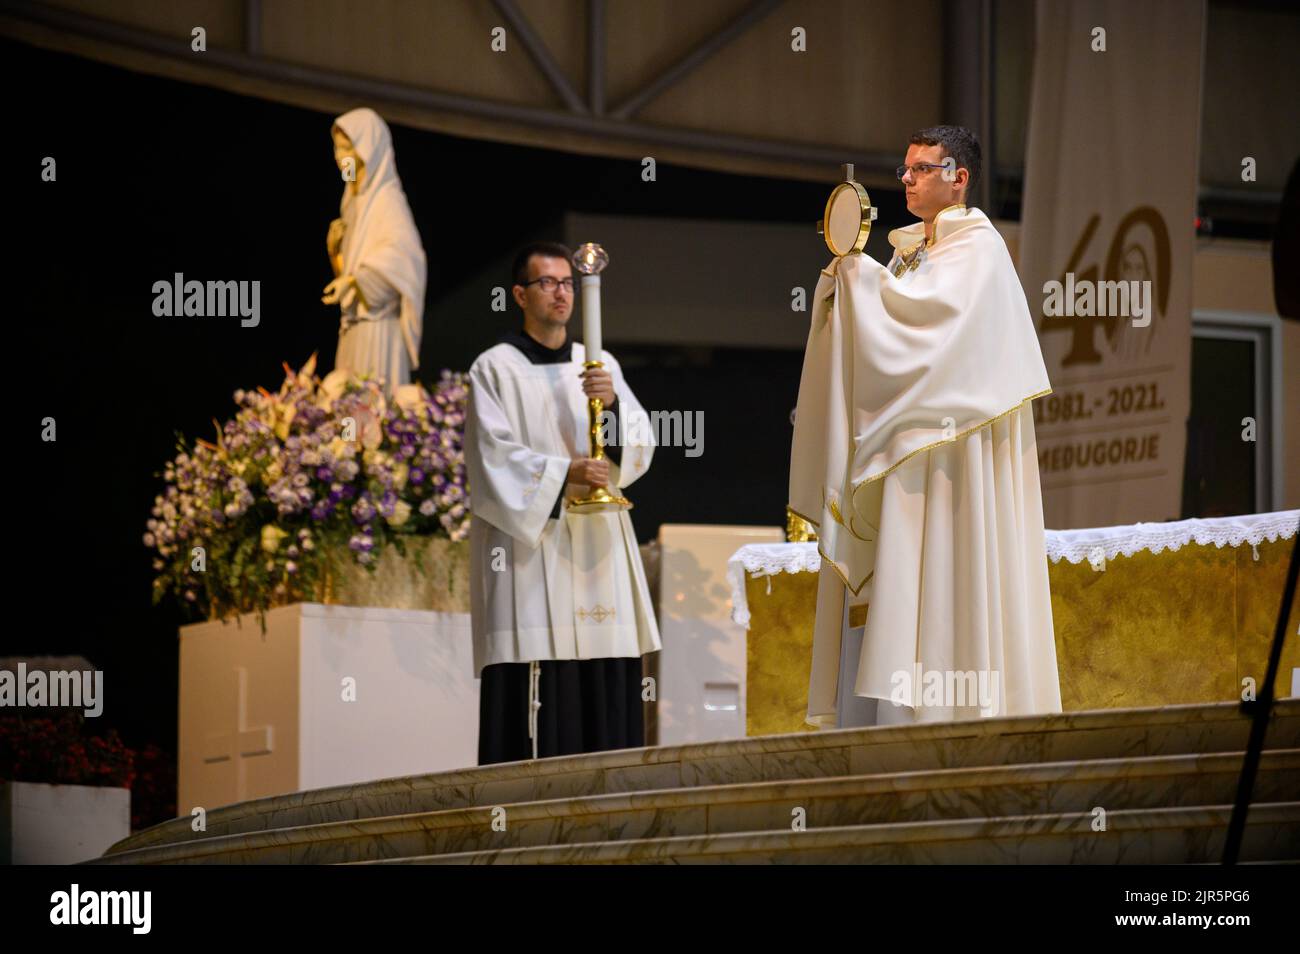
[(363, 511)]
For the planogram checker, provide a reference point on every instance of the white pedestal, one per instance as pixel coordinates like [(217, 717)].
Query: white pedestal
[(329, 695), (702, 667), (60, 824)]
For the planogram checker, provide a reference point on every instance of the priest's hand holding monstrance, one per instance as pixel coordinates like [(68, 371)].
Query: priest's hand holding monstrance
[(845, 227)]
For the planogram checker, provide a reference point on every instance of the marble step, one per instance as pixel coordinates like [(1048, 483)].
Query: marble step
[(1105, 733), (1173, 729), (883, 798), (1193, 835)]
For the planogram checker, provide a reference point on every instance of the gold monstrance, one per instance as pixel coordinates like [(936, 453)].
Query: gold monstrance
[(846, 223), (590, 260)]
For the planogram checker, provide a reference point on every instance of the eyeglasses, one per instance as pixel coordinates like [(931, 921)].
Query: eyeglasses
[(549, 284), (918, 170)]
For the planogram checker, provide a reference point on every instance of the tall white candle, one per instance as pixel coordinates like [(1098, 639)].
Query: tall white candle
[(591, 317)]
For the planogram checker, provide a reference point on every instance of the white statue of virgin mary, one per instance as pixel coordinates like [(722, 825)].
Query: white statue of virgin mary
[(379, 263)]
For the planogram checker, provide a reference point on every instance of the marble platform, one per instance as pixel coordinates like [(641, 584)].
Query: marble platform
[(1004, 790)]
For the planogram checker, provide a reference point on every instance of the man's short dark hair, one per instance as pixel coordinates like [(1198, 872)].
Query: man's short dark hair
[(545, 249), (958, 142)]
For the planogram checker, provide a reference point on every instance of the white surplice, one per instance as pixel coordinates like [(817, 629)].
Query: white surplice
[(914, 454), (542, 588)]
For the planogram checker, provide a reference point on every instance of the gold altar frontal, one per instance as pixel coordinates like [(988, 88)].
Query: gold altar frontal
[(1180, 626)]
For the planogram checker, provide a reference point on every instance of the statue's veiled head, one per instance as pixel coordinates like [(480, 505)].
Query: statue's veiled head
[(362, 144), (350, 164)]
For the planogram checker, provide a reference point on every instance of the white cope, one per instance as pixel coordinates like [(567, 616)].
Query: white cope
[(914, 454)]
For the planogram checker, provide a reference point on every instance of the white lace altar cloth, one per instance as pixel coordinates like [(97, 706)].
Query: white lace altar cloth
[(1094, 545)]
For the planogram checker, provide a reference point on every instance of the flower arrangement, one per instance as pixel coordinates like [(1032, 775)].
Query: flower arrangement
[(58, 750), (318, 468)]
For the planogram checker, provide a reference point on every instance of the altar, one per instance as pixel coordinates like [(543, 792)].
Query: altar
[(1144, 615)]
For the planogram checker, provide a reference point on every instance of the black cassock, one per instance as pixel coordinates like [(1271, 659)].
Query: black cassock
[(588, 705)]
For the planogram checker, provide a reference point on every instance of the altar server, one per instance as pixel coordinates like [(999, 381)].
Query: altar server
[(914, 454), (561, 611)]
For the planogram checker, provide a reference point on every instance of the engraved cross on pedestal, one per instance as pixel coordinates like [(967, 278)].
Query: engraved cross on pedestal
[(242, 742)]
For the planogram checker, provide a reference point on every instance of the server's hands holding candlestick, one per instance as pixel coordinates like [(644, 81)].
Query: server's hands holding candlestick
[(599, 383)]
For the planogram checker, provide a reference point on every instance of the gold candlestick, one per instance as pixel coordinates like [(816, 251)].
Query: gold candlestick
[(600, 500), (590, 260)]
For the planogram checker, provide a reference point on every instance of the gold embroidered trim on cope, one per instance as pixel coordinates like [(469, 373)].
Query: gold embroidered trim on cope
[(885, 473), (910, 258), (815, 523), (948, 440), (949, 208), (827, 561), (859, 536)]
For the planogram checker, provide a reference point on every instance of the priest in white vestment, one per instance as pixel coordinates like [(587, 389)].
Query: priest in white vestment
[(378, 260), (914, 455), (560, 606)]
